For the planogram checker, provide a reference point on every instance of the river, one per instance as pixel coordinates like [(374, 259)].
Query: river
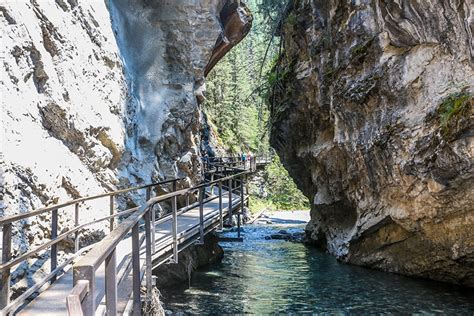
[(262, 276)]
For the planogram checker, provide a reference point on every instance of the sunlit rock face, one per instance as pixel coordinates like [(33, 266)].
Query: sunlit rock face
[(373, 118), (167, 48), (97, 95), (63, 103)]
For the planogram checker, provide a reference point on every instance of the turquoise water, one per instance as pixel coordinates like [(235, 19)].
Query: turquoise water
[(262, 276)]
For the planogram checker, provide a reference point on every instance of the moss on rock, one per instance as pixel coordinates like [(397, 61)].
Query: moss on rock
[(454, 113)]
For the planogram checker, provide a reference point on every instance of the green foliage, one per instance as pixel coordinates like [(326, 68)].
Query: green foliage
[(237, 97), (452, 109), (282, 191), (257, 204), (452, 106), (291, 19), (270, 12), (277, 75)]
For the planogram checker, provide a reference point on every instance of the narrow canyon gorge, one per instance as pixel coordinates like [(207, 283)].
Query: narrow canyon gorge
[(369, 108)]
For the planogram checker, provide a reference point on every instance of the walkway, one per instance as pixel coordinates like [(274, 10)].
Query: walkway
[(114, 274), (53, 301)]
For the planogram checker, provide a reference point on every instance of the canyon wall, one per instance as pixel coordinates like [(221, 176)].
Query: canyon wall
[(372, 114), (99, 95)]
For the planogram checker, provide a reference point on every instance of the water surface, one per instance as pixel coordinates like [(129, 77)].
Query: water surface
[(262, 276)]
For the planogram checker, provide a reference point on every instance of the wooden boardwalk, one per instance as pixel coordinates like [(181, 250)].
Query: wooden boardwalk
[(113, 275), (53, 301)]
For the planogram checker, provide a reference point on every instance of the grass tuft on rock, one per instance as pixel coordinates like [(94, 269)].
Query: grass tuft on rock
[(454, 112)]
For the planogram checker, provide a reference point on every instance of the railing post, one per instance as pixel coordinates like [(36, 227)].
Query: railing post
[(76, 223), (112, 212), (136, 271), (247, 189), (6, 255), (230, 202), (174, 185), (151, 220), (86, 273), (175, 229), (111, 283), (148, 193), (148, 267), (241, 213), (221, 219), (54, 247), (201, 214)]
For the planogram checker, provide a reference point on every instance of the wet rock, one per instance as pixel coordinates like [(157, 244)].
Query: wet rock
[(284, 235), (364, 122), (189, 260)]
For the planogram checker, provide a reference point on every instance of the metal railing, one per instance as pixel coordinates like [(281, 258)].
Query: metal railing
[(236, 162), (7, 225), (84, 271)]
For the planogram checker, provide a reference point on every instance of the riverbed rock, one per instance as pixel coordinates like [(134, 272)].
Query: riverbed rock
[(284, 235), (373, 117)]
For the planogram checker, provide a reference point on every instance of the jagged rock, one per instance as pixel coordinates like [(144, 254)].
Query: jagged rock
[(236, 20), (284, 235), (374, 121)]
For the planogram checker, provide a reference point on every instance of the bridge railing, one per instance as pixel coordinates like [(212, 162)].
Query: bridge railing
[(7, 224), (8, 261), (82, 298), (237, 161)]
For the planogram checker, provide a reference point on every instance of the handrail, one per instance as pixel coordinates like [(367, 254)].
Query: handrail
[(97, 255), (13, 218), (20, 300), (6, 223), (59, 238), (75, 298)]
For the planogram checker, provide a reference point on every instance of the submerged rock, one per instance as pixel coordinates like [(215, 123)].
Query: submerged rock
[(284, 235), (373, 117)]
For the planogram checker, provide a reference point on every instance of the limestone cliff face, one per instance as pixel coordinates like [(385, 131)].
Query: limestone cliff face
[(97, 95), (167, 48), (373, 116)]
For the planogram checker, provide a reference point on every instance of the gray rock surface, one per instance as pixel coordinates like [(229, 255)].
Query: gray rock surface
[(373, 117)]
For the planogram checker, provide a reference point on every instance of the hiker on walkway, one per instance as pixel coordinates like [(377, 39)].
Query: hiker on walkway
[(249, 159)]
